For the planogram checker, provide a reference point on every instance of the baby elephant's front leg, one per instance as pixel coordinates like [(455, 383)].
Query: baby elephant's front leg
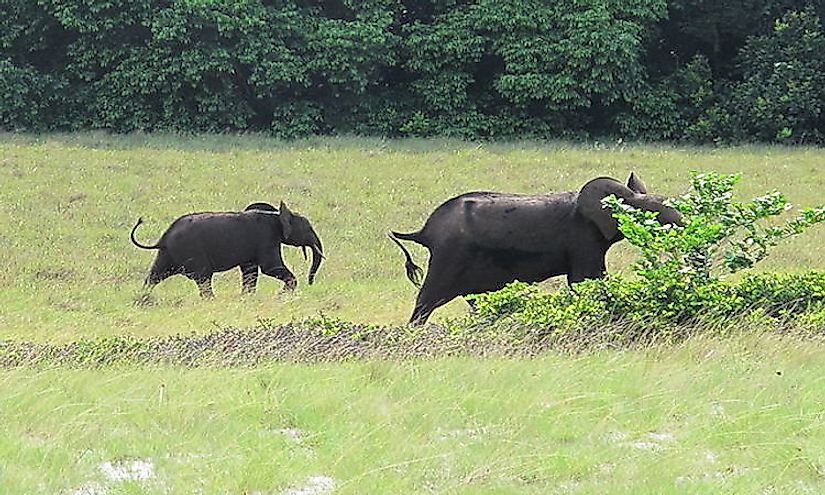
[(281, 273)]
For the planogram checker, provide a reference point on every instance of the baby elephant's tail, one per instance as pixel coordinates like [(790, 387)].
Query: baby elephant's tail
[(414, 272), (135, 241)]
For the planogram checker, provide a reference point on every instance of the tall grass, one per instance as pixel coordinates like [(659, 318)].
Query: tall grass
[(737, 416)]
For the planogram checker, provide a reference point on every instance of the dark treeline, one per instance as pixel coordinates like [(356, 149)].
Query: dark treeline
[(692, 70)]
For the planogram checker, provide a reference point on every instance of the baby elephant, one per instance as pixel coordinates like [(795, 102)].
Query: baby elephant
[(200, 244)]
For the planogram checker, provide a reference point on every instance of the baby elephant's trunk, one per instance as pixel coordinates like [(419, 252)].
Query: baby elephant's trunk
[(317, 256)]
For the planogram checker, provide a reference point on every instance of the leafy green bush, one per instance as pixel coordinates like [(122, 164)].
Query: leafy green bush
[(595, 303), (26, 97), (291, 69), (680, 269), (523, 68), (467, 69), (782, 93), (718, 232), (670, 109)]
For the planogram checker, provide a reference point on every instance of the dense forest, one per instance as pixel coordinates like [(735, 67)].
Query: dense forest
[(678, 70)]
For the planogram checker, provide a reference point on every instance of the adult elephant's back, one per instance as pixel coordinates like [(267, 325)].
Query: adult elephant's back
[(491, 220)]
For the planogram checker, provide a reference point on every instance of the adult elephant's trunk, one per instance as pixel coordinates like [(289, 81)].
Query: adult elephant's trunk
[(317, 256)]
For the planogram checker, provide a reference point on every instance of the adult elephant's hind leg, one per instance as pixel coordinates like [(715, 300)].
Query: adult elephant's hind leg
[(441, 285), (249, 277)]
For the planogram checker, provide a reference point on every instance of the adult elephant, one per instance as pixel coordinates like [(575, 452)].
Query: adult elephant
[(481, 241), (200, 244)]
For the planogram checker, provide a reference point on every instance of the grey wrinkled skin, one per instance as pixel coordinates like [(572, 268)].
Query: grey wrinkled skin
[(200, 244), (481, 241)]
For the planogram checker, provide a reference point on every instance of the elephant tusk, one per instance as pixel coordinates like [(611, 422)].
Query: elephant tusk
[(318, 252)]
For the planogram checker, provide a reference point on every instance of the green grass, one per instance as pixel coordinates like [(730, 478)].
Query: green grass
[(738, 416), (68, 202)]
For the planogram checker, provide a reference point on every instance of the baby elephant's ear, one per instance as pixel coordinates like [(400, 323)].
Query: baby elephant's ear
[(635, 184), (260, 207), (286, 220)]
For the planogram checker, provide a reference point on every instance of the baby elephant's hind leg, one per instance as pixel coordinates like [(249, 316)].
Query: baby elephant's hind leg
[(249, 277), (162, 268), (204, 282)]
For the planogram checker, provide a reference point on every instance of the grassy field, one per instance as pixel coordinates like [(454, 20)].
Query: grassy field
[(68, 203), (743, 414), (740, 416)]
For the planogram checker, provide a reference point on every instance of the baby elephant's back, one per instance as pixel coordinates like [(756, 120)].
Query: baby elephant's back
[(217, 241)]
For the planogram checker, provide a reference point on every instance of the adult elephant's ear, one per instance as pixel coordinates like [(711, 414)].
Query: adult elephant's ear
[(589, 203), (635, 184), (286, 220)]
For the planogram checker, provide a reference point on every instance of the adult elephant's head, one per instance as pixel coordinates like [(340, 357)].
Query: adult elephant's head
[(589, 204), (296, 231)]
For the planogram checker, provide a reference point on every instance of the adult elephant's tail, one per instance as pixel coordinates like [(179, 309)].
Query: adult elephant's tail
[(135, 241), (414, 272)]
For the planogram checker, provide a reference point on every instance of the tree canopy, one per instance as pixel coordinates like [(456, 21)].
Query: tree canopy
[(691, 70)]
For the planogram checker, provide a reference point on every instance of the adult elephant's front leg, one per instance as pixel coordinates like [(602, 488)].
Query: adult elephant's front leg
[(586, 267), (249, 278)]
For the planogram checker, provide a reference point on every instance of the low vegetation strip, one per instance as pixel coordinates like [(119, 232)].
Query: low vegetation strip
[(299, 342), (324, 340)]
